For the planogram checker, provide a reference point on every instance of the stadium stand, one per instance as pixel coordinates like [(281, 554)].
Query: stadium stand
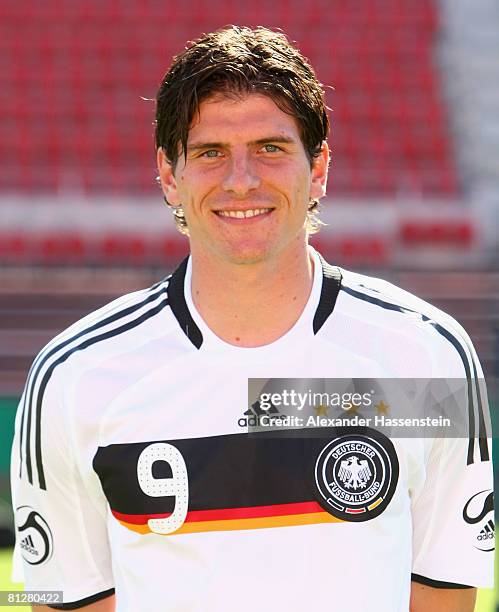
[(469, 56), (77, 120)]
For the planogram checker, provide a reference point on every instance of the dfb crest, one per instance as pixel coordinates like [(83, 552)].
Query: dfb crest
[(356, 475)]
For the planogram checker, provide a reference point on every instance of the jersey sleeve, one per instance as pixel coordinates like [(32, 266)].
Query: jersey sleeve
[(61, 536), (453, 511)]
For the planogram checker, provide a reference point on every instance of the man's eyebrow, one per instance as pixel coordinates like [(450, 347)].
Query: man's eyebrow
[(197, 146), (281, 139)]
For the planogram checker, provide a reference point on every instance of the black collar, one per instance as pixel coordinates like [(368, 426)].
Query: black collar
[(176, 297), (331, 283)]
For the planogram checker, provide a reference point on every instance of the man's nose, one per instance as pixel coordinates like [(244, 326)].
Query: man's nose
[(241, 176)]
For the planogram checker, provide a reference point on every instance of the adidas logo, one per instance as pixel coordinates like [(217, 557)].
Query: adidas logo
[(487, 533), (255, 410), (251, 418), (28, 545)]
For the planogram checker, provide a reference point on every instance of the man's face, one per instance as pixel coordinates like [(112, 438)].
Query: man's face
[(246, 183)]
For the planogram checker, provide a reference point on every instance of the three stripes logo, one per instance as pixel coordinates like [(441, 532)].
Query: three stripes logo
[(251, 418), (487, 533), (29, 545)]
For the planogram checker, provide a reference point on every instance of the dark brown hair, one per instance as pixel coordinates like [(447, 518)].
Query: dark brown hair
[(239, 60)]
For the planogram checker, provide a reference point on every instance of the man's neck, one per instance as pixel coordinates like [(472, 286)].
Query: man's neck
[(252, 305)]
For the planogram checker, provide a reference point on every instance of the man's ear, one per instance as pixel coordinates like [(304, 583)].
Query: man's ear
[(166, 178), (320, 166)]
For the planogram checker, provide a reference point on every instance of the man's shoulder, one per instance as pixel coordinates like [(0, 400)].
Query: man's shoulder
[(111, 321), (408, 319), (376, 293)]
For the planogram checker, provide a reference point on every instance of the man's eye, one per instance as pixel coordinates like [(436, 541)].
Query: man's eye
[(211, 153), (270, 148)]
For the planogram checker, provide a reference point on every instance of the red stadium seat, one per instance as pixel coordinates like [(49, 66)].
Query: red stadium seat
[(86, 66), (439, 233)]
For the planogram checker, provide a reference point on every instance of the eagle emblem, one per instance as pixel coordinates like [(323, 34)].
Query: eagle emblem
[(354, 473)]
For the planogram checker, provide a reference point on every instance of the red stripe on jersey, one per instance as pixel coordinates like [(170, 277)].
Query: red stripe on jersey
[(228, 513)]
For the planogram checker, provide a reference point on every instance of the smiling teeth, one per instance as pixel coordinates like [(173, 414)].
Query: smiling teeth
[(240, 214)]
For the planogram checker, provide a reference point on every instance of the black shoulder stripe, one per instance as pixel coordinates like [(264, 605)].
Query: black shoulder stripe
[(438, 584), (35, 408), (94, 340), (74, 605), (42, 359), (482, 435), (456, 343), (176, 297), (331, 282)]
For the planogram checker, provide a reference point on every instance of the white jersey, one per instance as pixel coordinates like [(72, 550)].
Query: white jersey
[(131, 472)]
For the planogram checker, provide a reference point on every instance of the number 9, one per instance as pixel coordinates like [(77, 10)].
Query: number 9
[(177, 486)]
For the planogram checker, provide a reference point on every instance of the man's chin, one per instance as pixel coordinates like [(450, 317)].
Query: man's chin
[(248, 256)]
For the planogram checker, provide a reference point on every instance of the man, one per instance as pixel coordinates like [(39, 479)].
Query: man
[(135, 487)]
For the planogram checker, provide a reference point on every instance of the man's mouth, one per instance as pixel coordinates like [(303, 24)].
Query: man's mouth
[(243, 214)]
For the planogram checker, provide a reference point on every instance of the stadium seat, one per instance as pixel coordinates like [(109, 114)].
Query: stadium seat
[(87, 65), (439, 233)]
